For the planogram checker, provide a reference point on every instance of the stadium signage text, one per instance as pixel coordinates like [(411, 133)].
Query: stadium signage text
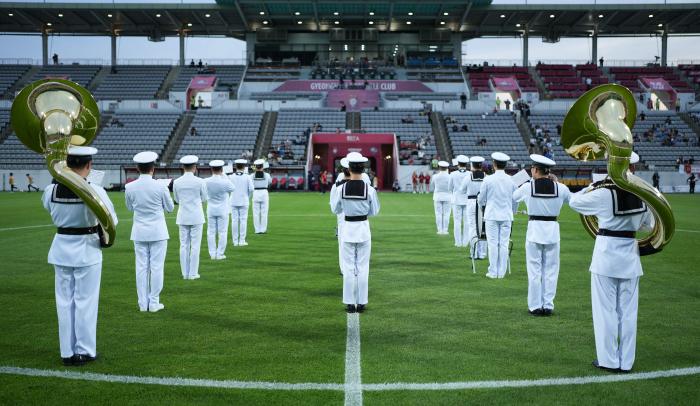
[(327, 85)]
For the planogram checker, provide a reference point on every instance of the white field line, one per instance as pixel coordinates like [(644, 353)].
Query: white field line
[(378, 387), (353, 371)]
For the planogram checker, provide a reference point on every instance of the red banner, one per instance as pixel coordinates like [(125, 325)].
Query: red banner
[(326, 85), (354, 100), (353, 138), (203, 83), (658, 84), (505, 83)]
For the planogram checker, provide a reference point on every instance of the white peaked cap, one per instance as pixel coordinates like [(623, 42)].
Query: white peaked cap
[(344, 163), (81, 151), (217, 163), (240, 161), (477, 159), (145, 157), (500, 156), (444, 164), (542, 160), (462, 159), (634, 158), (189, 159), (258, 162), (356, 157)]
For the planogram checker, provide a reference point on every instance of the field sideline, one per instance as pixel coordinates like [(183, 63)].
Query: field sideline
[(271, 313)]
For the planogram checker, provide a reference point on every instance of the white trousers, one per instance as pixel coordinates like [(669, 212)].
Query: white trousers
[(77, 296), (340, 242), (442, 216), (260, 210), (498, 236), (217, 226), (150, 259), (542, 274), (480, 250), (615, 303), (239, 224), (460, 226), (355, 268), (190, 245)]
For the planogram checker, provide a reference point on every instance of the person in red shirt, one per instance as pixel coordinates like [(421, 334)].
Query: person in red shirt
[(323, 180), (414, 179), (421, 181), (427, 182)]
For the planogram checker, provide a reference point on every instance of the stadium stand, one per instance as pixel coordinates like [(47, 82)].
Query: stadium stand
[(413, 130), (80, 74), (287, 96), (9, 75), (567, 81), (420, 96), (289, 140), (479, 77), (220, 135), (499, 132), (629, 76), (229, 77), (126, 134), (692, 72), (132, 82), (271, 74), (434, 75)]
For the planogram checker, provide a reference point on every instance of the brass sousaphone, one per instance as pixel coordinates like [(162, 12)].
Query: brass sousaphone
[(50, 115), (599, 126)]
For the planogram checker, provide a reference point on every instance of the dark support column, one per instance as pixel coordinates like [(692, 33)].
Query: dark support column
[(182, 47), (44, 48), (664, 48), (526, 37), (113, 40), (594, 48)]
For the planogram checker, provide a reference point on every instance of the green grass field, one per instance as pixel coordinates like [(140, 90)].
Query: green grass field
[(272, 312)]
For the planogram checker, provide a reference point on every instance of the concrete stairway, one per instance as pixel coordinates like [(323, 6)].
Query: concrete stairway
[(168, 83), (442, 139), (99, 77), (21, 82), (267, 129), (173, 144)]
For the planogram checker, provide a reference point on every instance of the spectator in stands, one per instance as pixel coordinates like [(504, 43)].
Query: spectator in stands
[(298, 140), (601, 61), (434, 163), (558, 129), (507, 103), (548, 153), (463, 100), (482, 142), (465, 127), (343, 107), (192, 65), (200, 102), (538, 131), (650, 104), (396, 186), (691, 182), (200, 65), (341, 82), (589, 83), (193, 131), (455, 127), (498, 103), (337, 130), (667, 121), (366, 84), (657, 104), (55, 59), (641, 97), (642, 116), (323, 181), (655, 180), (407, 120)]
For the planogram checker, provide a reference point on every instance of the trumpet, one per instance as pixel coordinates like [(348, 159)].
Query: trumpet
[(49, 116), (599, 126)]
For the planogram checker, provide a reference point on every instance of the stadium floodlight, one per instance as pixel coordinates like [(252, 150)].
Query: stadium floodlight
[(157, 15), (335, 13), (336, 22), (300, 22), (442, 23), (651, 16), (49, 24), (661, 25), (262, 13), (600, 16), (207, 15), (10, 15), (410, 13), (445, 13), (189, 24), (503, 16), (371, 22), (517, 25), (296, 13), (408, 22), (371, 13), (109, 15), (551, 16), (60, 15), (265, 22)]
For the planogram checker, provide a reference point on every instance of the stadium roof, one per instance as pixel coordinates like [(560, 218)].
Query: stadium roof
[(236, 17)]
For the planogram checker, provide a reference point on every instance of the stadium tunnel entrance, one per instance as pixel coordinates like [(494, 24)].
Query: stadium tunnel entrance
[(326, 150)]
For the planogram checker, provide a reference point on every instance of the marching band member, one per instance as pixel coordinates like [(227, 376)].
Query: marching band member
[(261, 199), (615, 270), (77, 259), (342, 178), (543, 198), (240, 197), (441, 198), (189, 191), (471, 185), (497, 195), (459, 202), (148, 199), (218, 190), (357, 201)]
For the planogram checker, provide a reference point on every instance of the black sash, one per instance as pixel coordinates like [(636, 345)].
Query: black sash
[(542, 218), (77, 230), (355, 218), (613, 233), (471, 197)]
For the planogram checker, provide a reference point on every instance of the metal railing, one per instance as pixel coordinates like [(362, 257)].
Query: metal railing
[(607, 62), (122, 61)]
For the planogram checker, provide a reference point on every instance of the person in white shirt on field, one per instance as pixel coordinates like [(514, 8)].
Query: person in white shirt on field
[(149, 200), (442, 198), (496, 195), (459, 202), (357, 201), (189, 192), (219, 188), (240, 200), (471, 185), (615, 270), (76, 256), (261, 198), (543, 197)]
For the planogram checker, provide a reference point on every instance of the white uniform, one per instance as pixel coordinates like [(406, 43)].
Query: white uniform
[(240, 199), (77, 261), (441, 200), (356, 200), (149, 199), (543, 198), (189, 192), (471, 185), (459, 207), (261, 200), (615, 271), (497, 195), (218, 209), (340, 216)]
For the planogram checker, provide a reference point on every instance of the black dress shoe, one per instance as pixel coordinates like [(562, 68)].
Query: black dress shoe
[(360, 308), (350, 308), (614, 370), (547, 312), (82, 359), (67, 361), (536, 312)]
